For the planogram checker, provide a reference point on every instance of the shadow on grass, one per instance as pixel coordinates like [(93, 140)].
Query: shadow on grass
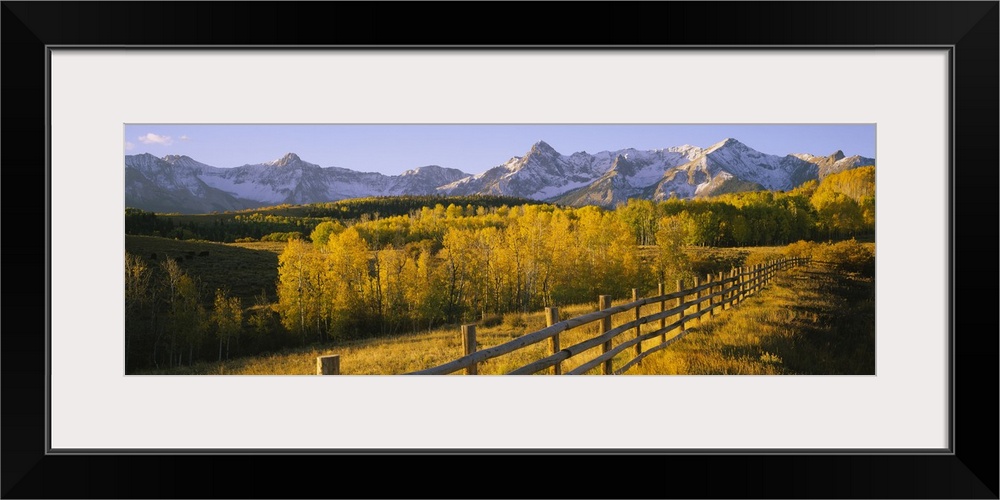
[(835, 335)]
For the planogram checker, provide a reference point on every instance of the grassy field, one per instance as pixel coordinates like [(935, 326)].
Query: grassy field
[(246, 268), (810, 321), (796, 325)]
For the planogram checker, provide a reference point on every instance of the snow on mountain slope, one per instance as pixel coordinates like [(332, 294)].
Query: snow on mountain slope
[(423, 180), (629, 176), (543, 173), (733, 160), (181, 184), (174, 184), (836, 162)]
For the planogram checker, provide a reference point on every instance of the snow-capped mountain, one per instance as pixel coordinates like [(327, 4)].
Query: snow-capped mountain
[(181, 184), (733, 166), (174, 184), (543, 173), (836, 162), (725, 167)]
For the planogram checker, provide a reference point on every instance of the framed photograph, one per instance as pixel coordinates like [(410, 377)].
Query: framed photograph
[(925, 89)]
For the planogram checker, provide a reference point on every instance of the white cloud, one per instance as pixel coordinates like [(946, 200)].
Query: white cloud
[(151, 138), (184, 138), (129, 146)]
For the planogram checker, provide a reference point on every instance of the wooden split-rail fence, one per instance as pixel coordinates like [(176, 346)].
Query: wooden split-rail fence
[(716, 293)]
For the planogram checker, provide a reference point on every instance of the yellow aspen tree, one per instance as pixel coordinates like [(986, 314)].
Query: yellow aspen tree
[(294, 287), (349, 275), (227, 315)]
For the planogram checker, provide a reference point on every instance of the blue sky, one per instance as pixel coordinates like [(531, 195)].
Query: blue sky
[(391, 149)]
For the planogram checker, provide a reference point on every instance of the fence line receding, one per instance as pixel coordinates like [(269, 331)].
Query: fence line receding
[(718, 292)]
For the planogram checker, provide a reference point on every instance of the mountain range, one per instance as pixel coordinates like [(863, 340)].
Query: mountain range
[(181, 184)]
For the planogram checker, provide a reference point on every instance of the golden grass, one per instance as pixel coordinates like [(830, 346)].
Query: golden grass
[(791, 327), (809, 321), (276, 247), (407, 353)]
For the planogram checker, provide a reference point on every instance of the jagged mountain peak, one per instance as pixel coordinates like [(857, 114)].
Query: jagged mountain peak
[(624, 165), (144, 156), (431, 170), (728, 143), (542, 147), (179, 183), (286, 160), (425, 168), (185, 161)]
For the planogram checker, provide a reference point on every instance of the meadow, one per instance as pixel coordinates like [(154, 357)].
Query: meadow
[(796, 325), (245, 269)]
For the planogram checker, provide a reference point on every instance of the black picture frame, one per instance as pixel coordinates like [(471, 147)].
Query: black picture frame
[(969, 28)]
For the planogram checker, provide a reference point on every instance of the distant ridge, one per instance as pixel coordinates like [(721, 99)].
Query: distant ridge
[(181, 184)]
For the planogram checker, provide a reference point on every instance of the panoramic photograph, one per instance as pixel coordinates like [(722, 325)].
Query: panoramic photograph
[(473, 249)]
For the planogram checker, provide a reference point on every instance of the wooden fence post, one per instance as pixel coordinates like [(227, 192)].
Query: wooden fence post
[(697, 295), (722, 295), (735, 297), (725, 291), (551, 318), (638, 328), (328, 365), (604, 302), (469, 346), (729, 291), (680, 300), (709, 293), (739, 284), (663, 307)]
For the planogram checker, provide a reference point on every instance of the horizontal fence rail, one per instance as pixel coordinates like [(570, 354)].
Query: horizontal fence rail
[(715, 293)]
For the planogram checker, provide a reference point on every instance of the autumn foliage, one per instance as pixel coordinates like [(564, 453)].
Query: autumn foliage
[(512, 259)]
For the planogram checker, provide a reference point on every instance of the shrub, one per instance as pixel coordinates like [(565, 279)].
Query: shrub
[(801, 249), (491, 320), (762, 258), (849, 256), (282, 237), (514, 320)]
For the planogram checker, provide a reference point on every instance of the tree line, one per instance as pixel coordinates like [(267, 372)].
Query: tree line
[(280, 222), (841, 206), (359, 279)]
